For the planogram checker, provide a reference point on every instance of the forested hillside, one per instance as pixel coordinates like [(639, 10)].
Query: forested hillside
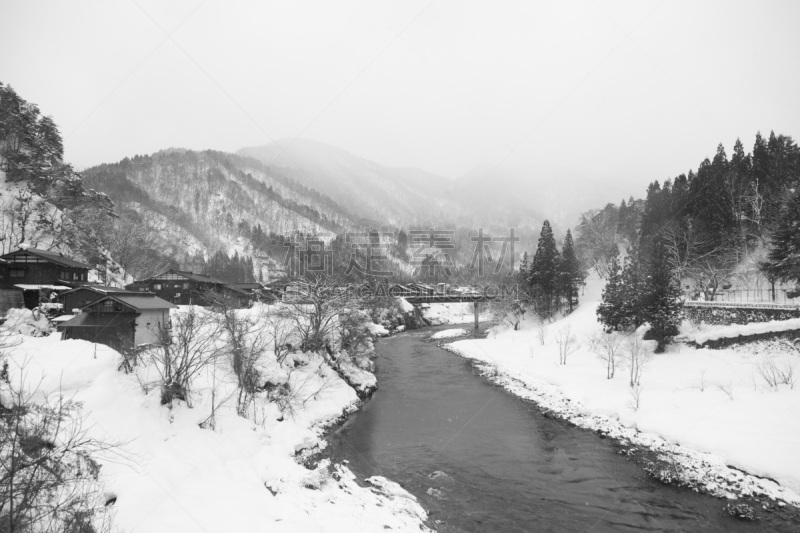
[(193, 204), (720, 223), (43, 201)]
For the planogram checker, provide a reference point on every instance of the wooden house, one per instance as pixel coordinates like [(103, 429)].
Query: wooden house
[(41, 274), (82, 296), (187, 288), (256, 291), (120, 321)]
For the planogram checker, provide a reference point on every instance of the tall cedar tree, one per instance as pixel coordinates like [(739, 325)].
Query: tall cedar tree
[(633, 290), (783, 262), (545, 269), (660, 301), (609, 312), (571, 275)]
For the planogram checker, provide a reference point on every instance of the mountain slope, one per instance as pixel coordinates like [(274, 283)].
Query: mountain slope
[(393, 196), (199, 202)]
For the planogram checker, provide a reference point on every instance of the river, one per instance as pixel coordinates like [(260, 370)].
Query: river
[(480, 459)]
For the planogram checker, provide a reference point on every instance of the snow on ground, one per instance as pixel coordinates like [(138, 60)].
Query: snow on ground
[(404, 306), (708, 408), (174, 475), (453, 313), (712, 333), (377, 329), (449, 334)]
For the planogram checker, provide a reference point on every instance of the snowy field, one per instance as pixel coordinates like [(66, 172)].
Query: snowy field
[(169, 474), (704, 408)]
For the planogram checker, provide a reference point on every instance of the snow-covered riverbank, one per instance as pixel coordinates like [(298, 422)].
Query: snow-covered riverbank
[(244, 474), (709, 413)]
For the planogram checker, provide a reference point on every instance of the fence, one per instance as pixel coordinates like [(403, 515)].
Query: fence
[(778, 296)]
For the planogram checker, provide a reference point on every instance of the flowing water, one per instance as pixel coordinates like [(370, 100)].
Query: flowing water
[(480, 459)]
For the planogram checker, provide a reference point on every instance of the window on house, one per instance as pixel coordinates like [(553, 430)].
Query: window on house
[(177, 285), (156, 286), (17, 273), (108, 306), (186, 286)]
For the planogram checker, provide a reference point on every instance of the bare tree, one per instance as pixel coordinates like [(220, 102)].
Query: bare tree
[(186, 348), (566, 344), (246, 340), (608, 346), (636, 356), (597, 239), (314, 307), (48, 465)]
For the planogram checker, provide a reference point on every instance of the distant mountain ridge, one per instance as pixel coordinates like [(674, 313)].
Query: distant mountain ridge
[(393, 196), (200, 202)]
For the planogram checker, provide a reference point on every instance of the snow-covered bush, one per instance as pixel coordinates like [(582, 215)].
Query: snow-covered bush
[(29, 322), (49, 480)]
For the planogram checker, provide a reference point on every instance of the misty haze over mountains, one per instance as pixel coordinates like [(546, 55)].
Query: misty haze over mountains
[(487, 195)]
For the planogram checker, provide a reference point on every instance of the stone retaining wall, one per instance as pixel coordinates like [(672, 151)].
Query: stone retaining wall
[(744, 339), (727, 314)]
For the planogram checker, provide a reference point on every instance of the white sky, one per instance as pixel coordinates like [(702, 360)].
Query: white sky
[(628, 91)]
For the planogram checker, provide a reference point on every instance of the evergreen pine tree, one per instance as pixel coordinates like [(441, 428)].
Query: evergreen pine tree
[(609, 312), (571, 274), (544, 276), (632, 291), (783, 261), (661, 303)]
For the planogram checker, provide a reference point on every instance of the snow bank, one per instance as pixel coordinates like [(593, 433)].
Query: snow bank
[(710, 406), (453, 313), (702, 336), (27, 322), (173, 475), (378, 330), (449, 334), (404, 306)]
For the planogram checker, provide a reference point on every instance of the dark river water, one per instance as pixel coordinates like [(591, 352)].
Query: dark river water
[(480, 459)]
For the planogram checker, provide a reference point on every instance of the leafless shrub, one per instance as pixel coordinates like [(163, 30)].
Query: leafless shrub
[(566, 344), (775, 374), (292, 395), (541, 331), (279, 327), (246, 340), (727, 389), (702, 385), (185, 350), (607, 346), (636, 397), (636, 356), (48, 465)]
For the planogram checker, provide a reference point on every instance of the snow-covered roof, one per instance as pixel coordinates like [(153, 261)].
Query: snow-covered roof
[(54, 257), (138, 302), (32, 287)]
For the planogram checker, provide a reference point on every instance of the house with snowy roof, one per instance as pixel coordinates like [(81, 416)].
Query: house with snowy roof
[(41, 274), (188, 288), (121, 321)]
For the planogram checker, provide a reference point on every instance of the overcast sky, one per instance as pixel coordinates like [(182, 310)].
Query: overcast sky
[(627, 91)]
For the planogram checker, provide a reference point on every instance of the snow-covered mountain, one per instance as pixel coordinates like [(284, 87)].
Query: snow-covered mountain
[(200, 202), (394, 196)]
